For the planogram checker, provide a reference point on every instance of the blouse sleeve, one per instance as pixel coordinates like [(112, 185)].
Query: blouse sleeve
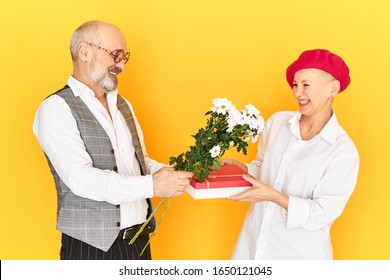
[(330, 195)]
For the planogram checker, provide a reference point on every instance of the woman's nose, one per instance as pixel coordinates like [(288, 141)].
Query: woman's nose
[(297, 91)]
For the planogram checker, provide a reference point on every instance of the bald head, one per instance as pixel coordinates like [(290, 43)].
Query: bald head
[(99, 55), (95, 32)]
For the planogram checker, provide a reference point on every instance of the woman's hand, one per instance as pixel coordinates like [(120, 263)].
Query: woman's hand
[(260, 192)]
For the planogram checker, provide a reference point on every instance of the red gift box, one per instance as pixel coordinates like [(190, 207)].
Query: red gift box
[(229, 175), (223, 182)]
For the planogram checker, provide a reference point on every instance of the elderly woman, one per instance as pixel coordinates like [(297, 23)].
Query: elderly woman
[(306, 168)]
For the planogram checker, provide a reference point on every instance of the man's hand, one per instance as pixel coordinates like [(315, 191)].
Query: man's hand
[(167, 182)]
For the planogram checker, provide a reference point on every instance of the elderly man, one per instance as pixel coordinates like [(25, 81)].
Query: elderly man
[(95, 150)]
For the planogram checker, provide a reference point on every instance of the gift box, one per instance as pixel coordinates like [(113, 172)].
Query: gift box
[(222, 183)]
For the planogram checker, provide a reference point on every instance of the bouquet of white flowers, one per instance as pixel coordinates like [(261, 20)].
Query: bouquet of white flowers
[(226, 128)]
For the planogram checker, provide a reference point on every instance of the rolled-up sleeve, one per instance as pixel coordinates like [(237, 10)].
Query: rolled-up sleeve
[(330, 195)]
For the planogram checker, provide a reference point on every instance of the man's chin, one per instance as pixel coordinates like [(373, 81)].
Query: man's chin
[(111, 87)]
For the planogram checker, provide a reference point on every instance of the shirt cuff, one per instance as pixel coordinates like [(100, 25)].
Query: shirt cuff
[(297, 213), (149, 186), (253, 170)]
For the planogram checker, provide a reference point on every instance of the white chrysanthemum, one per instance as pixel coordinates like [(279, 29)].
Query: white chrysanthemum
[(260, 124), (253, 123), (233, 119), (222, 106), (230, 129), (215, 151), (255, 138), (252, 110), (243, 118)]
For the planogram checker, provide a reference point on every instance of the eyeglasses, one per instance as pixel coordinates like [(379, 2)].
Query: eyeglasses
[(117, 55)]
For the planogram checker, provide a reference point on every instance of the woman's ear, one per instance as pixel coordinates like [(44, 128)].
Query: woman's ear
[(335, 88)]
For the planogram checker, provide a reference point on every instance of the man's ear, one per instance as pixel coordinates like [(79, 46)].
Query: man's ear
[(84, 52)]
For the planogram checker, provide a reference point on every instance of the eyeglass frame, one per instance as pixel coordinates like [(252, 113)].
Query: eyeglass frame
[(114, 54)]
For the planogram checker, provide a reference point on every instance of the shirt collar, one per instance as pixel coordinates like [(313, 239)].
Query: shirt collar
[(331, 129), (294, 125), (328, 133)]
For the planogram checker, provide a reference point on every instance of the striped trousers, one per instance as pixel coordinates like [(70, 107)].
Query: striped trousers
[(74, 249)]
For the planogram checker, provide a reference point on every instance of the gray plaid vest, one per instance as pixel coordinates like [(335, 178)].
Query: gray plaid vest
[(94, 222)]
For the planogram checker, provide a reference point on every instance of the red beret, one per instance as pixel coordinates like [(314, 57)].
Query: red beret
[(323, 60)]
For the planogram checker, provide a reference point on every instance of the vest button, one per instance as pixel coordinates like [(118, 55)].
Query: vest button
[(118, 224), (112, 151), (115, 168)]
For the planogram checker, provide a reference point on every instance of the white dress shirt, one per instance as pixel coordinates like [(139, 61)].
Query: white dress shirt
[(57, 132), (318, 175)]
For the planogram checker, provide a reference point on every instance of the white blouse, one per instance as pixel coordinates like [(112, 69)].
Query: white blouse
[(318, 175)]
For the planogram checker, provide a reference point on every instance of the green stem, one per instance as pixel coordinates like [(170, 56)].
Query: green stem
[(147, 221), (163, 214), (158, 224)]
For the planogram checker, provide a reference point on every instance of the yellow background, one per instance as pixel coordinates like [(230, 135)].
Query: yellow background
[(183, 54)]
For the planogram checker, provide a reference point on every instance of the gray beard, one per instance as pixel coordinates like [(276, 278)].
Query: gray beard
[(100, 77)]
